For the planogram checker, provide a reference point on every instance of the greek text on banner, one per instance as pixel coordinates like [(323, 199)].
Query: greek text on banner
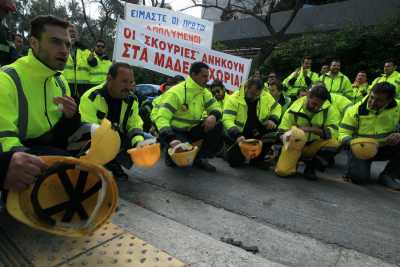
[(172, 24), (140, 47)]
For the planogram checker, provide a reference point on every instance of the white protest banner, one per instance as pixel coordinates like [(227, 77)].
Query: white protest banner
[(139, 47), (172, 24)]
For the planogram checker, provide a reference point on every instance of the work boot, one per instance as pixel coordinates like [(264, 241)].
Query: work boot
[(204, 165), (389, 181), (309, 173), (117, 171)]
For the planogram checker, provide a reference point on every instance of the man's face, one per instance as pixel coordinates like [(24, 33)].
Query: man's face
[(314, 104), (201, 78), (324, 69), (388, 68), (218, 92), (257, 75), (377, 101), (273, 90), (307, 64), (361, 77), (18, 42), (73, 34), (100, 48), (252, 93), (122, 85), (271, 79), (335, 67), (53, 47)]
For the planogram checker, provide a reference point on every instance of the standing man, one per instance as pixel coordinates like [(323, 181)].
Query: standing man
[(376, 117), (77, 70), (318, 118), (99, 63), (302, 78), (6, 44), (389, 75), (37, 112), (336, 82), (249, 113), (114, 100), (180, 117)]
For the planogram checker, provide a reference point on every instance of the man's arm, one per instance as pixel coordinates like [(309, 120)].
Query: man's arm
[(135, 125)]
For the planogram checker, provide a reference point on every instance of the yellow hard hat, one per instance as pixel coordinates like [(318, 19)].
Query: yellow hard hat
[(297, 139), (364, 148), (146, 154), (183, 154), (105, 144), (250, 148), (72, 198)]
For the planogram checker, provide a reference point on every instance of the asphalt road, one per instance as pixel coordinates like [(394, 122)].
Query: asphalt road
[(332, 213)]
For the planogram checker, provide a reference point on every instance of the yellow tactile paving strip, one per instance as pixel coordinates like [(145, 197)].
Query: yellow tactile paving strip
[(109, 246)]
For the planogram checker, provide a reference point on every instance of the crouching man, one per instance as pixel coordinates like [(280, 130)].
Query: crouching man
[(317, 119), (249, 113), (370, 128), (114, 100), (180, 117)]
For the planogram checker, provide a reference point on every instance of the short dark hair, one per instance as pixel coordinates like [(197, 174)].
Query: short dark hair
[(196, 67), (391, 60), (113, 70), (307, 57), (320, 91), (217, 83), (100, 41), (384, 88), (255, 82), (179, 78), (39, 22), (336, 60)]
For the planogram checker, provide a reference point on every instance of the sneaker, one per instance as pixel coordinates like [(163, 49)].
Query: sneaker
[(309, 174), (390, 182), (204, 165)]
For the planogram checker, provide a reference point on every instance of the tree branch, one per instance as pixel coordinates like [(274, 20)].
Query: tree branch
[(87, 21)]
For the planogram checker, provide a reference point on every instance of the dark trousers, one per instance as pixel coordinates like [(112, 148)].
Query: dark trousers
[(359, 171), (234, 156), (212, 140)]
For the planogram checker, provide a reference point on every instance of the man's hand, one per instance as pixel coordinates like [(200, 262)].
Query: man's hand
[(209, 123), (174, 143), (315, 130), (23, 170), (270, 125), (393, 139), (240, 139), (69, 107)]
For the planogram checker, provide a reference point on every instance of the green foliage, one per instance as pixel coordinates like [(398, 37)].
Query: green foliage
[(358, 48), (219, 46)]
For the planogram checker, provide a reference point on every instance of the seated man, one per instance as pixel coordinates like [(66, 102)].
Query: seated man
[(37, 113), (180, 117), (276, 90), (249, 113), (336, 82), (113, 100), (389, 75), (218, 90), (360, 86), (377, 117), (318, 118)]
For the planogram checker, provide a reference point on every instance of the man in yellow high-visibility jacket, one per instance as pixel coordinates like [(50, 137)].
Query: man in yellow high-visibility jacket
[(336, 82), (114, 100), (377, 117), (180, 117), (360, 87), (37, 113), (249, 113), (389, 75), (302, 78), (318, 118), (99, 64)]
